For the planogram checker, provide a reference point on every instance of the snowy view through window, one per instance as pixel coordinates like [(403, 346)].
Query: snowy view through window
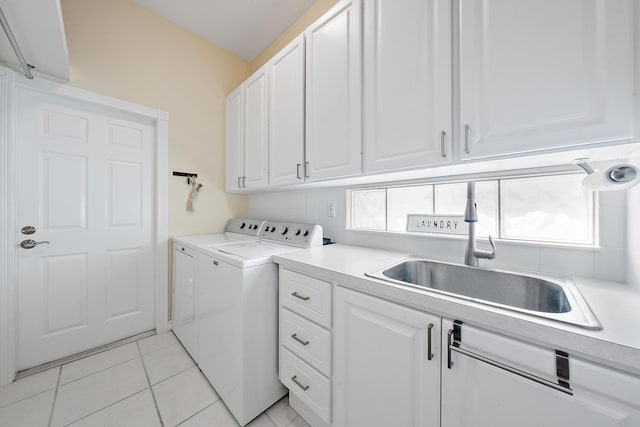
[(552, 208)]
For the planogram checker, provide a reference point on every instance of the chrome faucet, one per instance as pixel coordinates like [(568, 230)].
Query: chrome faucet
[(472, 254)]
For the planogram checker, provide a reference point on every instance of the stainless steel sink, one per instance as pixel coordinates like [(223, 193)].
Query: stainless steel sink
[(551, 297)]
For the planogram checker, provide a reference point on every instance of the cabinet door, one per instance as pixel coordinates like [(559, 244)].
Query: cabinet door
[(383, 375), (184, 321), (333, 132), (407, 84), (545, 74), (255, 130), (477, 393), (286, 114), (234, 141)]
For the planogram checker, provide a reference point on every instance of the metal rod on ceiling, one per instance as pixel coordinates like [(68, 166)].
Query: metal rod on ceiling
[(14, 44)]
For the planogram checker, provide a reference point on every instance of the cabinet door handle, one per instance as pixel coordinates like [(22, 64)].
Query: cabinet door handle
[(298, 171), (301, 341), (306, 169), (302, 297), (449, 345), (244, 182), (466, 138), (239, 182), (299, 384), (429, 353), (443, 153)]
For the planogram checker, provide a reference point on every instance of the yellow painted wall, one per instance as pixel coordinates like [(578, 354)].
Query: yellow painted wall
[(307, 18), (126, 51), (121, 49)]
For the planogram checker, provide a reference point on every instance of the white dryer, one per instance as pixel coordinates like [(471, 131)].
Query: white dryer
[(238, 317), (185, 253)]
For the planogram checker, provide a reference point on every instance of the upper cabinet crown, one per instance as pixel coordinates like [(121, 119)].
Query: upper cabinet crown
[(547, 74)]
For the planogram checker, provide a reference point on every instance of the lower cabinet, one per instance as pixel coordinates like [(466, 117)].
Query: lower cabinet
[(386, 363), (391, 365), (490, 380)]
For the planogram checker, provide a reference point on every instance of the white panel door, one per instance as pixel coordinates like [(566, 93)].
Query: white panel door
[(384, 375), (234, 141), (407, 84), (333, 96), (475, 393), (544, 74), (255, 130), (86, 185), (286, 114)]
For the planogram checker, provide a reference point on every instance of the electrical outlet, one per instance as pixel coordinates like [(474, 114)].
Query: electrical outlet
[(331, 209)]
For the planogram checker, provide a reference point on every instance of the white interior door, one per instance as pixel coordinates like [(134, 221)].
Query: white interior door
[(86, 185)]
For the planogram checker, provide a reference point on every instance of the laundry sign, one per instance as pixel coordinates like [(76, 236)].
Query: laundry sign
[(447, 224)]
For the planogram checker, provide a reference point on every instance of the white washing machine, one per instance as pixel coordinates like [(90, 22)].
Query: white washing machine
[(238, 316), (185, 253)]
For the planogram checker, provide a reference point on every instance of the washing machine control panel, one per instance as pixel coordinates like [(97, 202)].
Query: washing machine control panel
[(248, 227), (291, 233)]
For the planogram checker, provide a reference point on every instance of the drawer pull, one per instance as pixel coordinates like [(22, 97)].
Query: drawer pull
[(429, 352), (302, 297), (299, 384), (301, 341)]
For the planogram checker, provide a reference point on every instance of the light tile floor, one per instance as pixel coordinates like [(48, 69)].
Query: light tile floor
[(151, 382)]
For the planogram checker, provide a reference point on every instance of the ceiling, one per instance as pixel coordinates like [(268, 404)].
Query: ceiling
[(37, 27), (244, 27)]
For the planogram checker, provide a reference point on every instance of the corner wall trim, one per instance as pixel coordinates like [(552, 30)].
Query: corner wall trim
[(8, 318)]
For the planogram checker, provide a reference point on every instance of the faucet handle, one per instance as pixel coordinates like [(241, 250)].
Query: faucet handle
[(487, 254)]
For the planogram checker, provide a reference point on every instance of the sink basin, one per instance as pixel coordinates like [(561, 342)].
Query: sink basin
[(551, 297)]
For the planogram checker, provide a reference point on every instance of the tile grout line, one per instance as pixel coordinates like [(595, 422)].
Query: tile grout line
[(201, 410), (55, 396), (153, 395), (113, 403), (100, 370), (27, 397), (106, 407)]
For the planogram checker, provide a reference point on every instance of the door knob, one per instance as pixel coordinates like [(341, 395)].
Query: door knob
[(29, 229), (30, 244)]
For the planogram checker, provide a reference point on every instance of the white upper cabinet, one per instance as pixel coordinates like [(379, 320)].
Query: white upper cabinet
[(286, 114), (234, 154), (544, 74), (255, 130), (333, 94), (407, 84)]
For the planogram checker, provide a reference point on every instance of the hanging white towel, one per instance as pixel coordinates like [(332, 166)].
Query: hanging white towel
[(195, 188)]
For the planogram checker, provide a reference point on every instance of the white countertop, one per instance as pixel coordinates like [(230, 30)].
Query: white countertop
[(616, 306)]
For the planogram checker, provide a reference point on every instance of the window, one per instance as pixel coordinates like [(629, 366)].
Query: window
[(548, 208)]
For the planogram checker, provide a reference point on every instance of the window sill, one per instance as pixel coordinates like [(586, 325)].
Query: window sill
[(460, 237)]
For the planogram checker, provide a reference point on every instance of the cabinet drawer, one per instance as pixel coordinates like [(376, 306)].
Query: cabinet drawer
[(306, 383), (307, 340), (307, 296)]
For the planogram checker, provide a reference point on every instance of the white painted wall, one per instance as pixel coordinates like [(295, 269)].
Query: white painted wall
[(607, 263)]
